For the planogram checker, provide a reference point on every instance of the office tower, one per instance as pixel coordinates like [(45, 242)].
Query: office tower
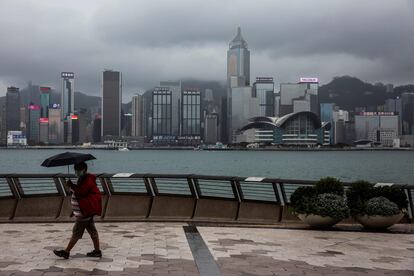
[(44, 101), (96, 129), (74, 126), (16, 138), (127, 125), (244, 106), (377, 126), (44, 130), (175, 88), (327, 110), (55, 124), (208, 95), (211, 128), (191, 116), (3, 130), (297, 97), (238, 62), (12, 109), (83, 119), (68, 94), (111, 103), (263, 89), (137, 115), (162, 131), (407, 102), (33, 128)]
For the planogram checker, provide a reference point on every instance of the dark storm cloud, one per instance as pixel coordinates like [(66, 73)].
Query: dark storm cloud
[(154, 40)]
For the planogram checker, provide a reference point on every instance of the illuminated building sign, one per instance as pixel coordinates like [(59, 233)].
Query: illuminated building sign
[(54, 106), (34, 107), (67, 75), (74, 117), (44, 120), (45, 88), (378, 113), (308, 80)]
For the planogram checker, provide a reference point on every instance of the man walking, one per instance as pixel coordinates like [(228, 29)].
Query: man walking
[(86, 203)]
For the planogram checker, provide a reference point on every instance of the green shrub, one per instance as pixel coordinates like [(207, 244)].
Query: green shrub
[(301, 198), (394, 194), (329, 185), (330, 205), (358, 194), (381, 206), (361, 192)]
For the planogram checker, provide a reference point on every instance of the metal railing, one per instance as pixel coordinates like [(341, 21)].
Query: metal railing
[(235, 189)]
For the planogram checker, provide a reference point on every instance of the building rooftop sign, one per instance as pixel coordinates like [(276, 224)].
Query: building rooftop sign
[(67, 75), (308, 80), (378, 113)]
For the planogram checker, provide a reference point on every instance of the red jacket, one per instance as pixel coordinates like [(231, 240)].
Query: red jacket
[(88, 196)]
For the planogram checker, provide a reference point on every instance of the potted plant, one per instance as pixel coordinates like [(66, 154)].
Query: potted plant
[(376, 207), (322, 205)]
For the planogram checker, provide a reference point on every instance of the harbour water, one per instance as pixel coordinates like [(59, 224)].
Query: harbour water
[(376, 166)]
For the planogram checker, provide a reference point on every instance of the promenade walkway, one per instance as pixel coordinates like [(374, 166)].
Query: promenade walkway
[(179, 249)]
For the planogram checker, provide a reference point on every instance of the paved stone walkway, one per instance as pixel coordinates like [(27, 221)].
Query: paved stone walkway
[(166, 249)]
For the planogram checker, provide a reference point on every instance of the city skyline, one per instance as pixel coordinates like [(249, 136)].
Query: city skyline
[(281, 46)]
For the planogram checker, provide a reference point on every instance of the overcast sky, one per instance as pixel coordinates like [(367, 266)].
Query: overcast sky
[(149, 41)]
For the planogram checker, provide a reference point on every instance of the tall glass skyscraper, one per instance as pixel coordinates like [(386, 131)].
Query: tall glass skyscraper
[(162, 115), (263, 89), (12, 109), (191, 113), (137, 115), (44, 101), (238, 62), (68, 94), (111, 103)]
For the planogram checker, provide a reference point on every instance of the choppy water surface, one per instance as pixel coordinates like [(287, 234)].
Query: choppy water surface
[(378, 166)]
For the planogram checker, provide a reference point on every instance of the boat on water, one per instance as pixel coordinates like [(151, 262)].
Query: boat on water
[(123, 149)]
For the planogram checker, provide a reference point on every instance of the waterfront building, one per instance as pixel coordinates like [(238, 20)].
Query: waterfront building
[(380, 127), (175, 88), (137, 115), (238, 62), (33, 130), (243, 107), (327, 110), (74, 127), (55, 124), (44, 101), (295, 129), (68, 94), (127, 125), (263, 89), (191, 117), (297, 97), (407, 102), (12, 108), (83, 119), (44, 130), (162, 131), (3, 130), (111, 103), (211, 127), (16, 138), (96, 129)]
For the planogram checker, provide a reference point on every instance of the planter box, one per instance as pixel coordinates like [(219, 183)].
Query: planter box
[(318, 221), (378, 222)]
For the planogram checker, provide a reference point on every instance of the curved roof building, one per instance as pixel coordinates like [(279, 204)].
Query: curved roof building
[(301, 128)]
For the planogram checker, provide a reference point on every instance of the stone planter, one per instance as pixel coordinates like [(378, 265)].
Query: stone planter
[(318, 221), (378, 222)]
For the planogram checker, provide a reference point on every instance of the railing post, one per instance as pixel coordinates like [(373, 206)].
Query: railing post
[(13, 187), (410, 208)]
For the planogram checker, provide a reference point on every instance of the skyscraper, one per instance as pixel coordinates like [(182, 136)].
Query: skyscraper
[(12, 108), (55, 124), (44, 101), (33, 130), (211, 128), (137, 115), (191, 116), (263, 89), (302, 96), (111, 103), (175, 88), (162, 115), (238, 62), (68, 94)]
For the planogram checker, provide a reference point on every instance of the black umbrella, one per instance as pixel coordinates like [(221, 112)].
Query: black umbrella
[(67, 158)]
